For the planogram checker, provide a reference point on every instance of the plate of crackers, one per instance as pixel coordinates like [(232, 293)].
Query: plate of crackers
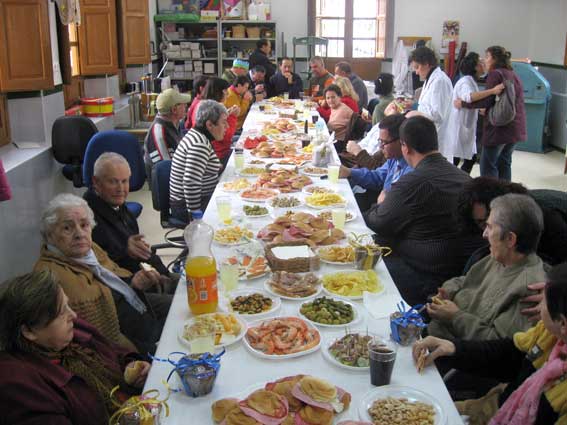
[(337, 254)]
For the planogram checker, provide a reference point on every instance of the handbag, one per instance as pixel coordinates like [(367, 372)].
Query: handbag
[(503, 111)]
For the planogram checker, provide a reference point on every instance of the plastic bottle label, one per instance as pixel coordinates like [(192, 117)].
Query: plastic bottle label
[(202, 290)]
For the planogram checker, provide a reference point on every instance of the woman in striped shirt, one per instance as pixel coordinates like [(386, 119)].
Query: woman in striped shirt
[(195, 167)]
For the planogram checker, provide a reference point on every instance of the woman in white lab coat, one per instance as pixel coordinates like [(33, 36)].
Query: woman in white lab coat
[(436, 97), (462, 122)]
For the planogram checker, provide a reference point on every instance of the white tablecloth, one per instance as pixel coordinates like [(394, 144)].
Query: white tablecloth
[(242, 371)]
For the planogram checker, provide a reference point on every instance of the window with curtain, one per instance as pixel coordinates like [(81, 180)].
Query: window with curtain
[(355, 29)]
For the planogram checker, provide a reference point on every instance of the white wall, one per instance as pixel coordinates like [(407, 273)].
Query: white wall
[(291, 19), (547, 31), (483, 22)]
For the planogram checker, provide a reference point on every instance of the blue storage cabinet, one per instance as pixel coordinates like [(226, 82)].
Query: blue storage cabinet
[(537, 96)]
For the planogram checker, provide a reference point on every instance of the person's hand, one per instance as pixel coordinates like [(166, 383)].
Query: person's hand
[(138, 248), (141, 374), (289, 77), (436, 347), (260, 97), (353, 147), (145, 279), (344, 172), (234, 110), (442, 293), (458, 103), (443, 312), (247, 96), (497, 89), (482, 111), (533, 312), (381, 197), (259, 88), (323, 103)]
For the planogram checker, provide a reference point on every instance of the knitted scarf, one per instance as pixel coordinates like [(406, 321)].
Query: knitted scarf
[(85, 363), (521, 407)]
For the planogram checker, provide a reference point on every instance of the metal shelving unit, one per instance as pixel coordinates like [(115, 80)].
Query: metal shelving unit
[(219, 43)]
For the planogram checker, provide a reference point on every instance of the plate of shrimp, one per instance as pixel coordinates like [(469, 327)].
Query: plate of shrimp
[(282, 338)]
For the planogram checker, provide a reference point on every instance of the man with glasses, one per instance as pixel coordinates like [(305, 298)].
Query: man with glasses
[(418, 217), (379, 181)]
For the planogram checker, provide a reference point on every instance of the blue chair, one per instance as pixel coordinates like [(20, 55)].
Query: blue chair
[(69, 139), (125, 144), (160, 202)]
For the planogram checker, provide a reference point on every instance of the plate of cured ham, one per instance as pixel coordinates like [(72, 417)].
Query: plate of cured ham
[(282, 338)]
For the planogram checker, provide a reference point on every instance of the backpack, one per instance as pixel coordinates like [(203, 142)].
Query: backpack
[(503, 111)]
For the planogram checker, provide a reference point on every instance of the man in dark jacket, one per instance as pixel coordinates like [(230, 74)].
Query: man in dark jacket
[(261, 56), (344, 69), (116, 229), (418, 216), (285, 81)]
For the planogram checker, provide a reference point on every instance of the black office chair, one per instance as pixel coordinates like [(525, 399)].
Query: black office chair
[(160, 202), (69, 139)]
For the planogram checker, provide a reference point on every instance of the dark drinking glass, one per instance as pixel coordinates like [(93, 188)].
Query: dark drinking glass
[(315, 118), (382, 355)]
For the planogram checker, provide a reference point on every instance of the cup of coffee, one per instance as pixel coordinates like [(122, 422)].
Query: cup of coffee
[(382, 354)]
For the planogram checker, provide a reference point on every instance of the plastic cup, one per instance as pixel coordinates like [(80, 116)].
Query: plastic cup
[(238, 161), (229, 276), (382, 354), (286, 96), (334, 173), (339, 217), (223, 209)]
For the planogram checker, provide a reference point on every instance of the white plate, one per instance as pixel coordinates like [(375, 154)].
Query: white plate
[(255, 216), (280, 356), (397, 391), (304, 190), (352, 213), (276, 303), (354, 297), (187, 343), (326, 207), (355, 309), (336, 263), (268, 288), (259, 200), (330, 340), (242, 241), (311, 174), (291, 195), (233, 190), (242, 174)]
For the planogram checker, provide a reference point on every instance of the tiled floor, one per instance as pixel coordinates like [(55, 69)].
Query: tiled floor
[(536, 171)]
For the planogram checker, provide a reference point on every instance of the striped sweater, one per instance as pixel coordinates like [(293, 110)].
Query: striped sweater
[(194, 170)]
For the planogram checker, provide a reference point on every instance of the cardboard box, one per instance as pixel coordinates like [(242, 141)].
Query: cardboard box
[(209, 68), (188, 66), (195, 53)]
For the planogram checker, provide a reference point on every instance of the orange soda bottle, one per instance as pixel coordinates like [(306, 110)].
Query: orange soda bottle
[(200, 267)]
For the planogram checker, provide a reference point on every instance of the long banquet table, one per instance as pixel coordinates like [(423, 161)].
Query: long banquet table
[(241, 371)]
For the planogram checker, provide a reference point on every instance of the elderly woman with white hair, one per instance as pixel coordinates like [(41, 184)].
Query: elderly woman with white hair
[(99, 291), (486, 302), (195, 168)]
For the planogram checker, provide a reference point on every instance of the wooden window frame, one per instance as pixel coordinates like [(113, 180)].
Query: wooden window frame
[(381, 38)]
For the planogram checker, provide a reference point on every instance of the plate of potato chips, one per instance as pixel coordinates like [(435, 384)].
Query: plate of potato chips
[(337, 254), (351, 284)]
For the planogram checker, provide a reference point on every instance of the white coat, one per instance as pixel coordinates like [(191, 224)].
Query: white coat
[(435, 102), (400, 68), (462, 122)]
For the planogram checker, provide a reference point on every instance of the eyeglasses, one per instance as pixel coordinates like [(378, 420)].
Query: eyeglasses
[(387, 142)]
